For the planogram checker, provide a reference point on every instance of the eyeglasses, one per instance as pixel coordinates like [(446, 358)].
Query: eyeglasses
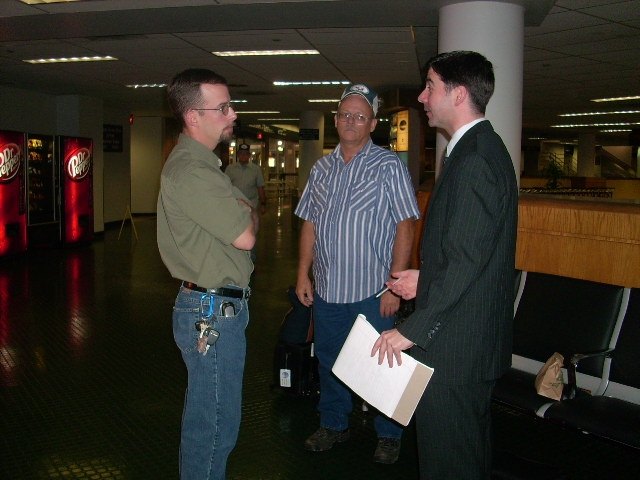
[(224, 108), (358, 118)]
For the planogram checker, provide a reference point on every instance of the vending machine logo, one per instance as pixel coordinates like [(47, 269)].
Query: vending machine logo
[(78, 164), (9, 162)]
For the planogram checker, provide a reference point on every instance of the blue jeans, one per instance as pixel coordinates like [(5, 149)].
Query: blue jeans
[(332, 324), (212, 406)]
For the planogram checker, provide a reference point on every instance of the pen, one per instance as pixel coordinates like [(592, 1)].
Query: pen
[(379, 294)]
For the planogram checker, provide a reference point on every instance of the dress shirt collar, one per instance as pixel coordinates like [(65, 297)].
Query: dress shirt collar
[(457, 135)]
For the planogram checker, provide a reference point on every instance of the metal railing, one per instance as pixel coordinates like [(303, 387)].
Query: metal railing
[(574, 192)]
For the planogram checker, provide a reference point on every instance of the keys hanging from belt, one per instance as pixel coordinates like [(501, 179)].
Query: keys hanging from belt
[(208, 335)]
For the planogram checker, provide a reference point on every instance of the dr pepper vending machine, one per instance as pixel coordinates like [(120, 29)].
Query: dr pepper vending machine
[(75, 157), (13, 209), (43, 224)]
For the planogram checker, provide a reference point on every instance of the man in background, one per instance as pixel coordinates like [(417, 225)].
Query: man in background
[(248, 178), (359, 210)]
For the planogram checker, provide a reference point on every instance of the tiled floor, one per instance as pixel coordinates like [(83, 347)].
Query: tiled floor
[(91, 383)]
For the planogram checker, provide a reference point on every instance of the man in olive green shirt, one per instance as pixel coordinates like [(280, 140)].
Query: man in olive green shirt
[(206, 229)]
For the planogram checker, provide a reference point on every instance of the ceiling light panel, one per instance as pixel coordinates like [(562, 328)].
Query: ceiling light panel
[(258, 112), (612, 124), (264, 53), (587, 114), (36, 2), (617, 99), (311, 83), (287, 39), (94, 58), (148, 85)]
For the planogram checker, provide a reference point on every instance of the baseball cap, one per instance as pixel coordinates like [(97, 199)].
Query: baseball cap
[(365, 92), (243, 147)]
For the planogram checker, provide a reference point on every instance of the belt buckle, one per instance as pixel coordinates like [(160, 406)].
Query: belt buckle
[(243, 293)]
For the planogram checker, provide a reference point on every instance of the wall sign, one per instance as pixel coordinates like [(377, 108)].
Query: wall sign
[(309, 134), (112, 138)]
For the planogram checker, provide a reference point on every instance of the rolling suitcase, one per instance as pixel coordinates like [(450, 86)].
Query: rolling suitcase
[(295, 367)]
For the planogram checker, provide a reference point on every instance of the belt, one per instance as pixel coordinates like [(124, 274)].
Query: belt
[(232, 292)]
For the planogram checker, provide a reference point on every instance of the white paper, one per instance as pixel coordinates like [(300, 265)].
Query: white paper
[(382, 387)]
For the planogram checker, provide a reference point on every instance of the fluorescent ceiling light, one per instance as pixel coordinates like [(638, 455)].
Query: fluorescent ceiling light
[(620, 124), (312, 83), (586, 114), (278, 119), (71, 59), (262, 53), (238, 101), (148, 85), (270, 112), (35, 2), (324, 100), (616, 130), (616, 99)]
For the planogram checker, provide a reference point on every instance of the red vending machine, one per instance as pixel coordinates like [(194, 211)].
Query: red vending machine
[(76, 189), (43, 222), (13, 209)]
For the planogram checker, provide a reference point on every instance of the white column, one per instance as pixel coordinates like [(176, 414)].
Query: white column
[(496, 30), (310, 149)]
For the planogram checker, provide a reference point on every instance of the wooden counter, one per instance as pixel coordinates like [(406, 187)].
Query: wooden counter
[(590, 239), (595, 240)]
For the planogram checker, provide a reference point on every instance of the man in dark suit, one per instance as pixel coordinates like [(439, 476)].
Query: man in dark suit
[(462, 324)]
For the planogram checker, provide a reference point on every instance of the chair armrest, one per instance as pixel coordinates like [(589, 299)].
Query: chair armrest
[(573, 366)]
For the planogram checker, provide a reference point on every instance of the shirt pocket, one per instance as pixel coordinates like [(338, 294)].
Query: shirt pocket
[(364, 196), (320, 200)]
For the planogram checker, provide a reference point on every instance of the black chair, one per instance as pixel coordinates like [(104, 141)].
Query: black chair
[(616, 414), (558, 314)]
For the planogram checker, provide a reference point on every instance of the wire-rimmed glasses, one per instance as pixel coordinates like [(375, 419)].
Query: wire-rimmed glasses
[(358, 118), (223, 108)]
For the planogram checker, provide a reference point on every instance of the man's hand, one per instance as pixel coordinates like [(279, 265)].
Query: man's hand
[(391, 343), (304, 291), (389, 304), (406, 283)]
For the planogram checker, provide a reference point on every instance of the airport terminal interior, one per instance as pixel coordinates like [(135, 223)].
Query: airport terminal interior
[(92, 383)]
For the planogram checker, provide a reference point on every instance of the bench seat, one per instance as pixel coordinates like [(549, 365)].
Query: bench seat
[(559, 314), (616, 414)]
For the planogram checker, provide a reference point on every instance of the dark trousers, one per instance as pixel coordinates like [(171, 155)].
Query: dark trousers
[(454, 432), (332, 324)]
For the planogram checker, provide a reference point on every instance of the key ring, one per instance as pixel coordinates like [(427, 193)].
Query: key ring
[(209, 312)]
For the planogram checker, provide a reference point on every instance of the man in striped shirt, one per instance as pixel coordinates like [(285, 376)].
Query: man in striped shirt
[(359, 210)]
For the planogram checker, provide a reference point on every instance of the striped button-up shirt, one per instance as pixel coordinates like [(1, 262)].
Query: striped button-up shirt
[(355, 208)]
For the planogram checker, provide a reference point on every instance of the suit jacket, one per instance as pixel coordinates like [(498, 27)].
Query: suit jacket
[(462, 324)]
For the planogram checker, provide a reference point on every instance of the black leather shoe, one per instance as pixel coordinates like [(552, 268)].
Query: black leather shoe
[(387, 451), (324, 438)]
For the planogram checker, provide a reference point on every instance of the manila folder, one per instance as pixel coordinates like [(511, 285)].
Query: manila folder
[(394, 391)]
